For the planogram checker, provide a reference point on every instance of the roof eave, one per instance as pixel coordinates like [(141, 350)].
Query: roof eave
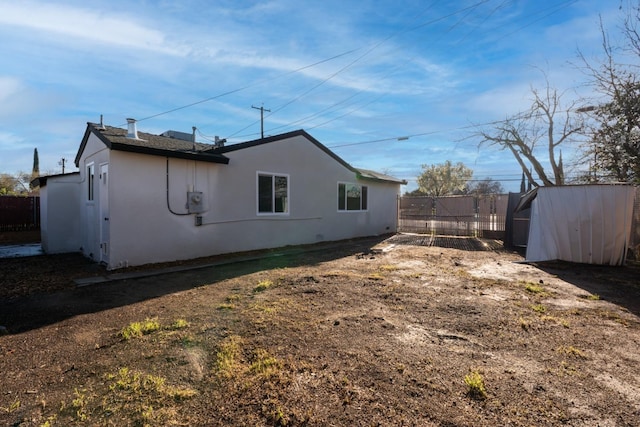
[(187, 155)]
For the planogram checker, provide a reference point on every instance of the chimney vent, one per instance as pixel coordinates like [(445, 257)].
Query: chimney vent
[(193, 138), (132, 131)]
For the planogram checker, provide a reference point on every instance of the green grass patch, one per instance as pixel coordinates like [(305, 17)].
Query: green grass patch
[(265, 365), (138, 329), (227, 362), (534, 289), (263, 285), (153, 386), (475, 385), (179, 324), (539, 308)]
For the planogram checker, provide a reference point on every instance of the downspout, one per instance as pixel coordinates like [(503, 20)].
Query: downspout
[(168, 204)]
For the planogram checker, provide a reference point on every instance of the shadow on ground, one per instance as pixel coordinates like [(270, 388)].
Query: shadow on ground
[(38, 310), (619, 285), (450, 242)]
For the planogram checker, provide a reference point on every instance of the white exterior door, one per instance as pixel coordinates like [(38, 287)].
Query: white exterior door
[(104, 213)]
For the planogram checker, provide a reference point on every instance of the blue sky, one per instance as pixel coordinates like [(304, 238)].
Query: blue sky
[(357, 75)]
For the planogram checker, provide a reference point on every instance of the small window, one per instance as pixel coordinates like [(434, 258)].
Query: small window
[(90, 181), (352, 197), (273, 194)]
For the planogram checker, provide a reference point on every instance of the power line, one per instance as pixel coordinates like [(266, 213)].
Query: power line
[(259, 82), (465, 10), (468, 10), (371, 49)]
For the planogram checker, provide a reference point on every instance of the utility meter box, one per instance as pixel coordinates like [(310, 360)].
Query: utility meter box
[(195, 202)]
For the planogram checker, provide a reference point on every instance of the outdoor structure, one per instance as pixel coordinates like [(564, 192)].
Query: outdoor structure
[(141, 198), (580, 223), (59, 212)]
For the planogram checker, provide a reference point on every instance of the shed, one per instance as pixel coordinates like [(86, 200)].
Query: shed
[(580, 223)]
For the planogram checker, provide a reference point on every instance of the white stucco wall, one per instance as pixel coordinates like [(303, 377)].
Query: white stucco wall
[(59, 214), (96, 153), (143, 230)]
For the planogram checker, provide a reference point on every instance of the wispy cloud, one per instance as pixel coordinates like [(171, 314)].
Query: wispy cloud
[(85, 25)]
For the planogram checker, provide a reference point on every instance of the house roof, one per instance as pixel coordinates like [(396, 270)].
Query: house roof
[(116, 139), (41, 181), (360, 173), (156, 145)]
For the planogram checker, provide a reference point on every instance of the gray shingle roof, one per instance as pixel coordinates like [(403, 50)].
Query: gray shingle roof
[(116, 139)]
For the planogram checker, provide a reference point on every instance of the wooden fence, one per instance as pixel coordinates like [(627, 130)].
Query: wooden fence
[(19, 213)]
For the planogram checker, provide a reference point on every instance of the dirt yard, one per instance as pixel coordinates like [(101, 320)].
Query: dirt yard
[(371, 332)]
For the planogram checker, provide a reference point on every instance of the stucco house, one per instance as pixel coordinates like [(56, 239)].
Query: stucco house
[(141, 198)]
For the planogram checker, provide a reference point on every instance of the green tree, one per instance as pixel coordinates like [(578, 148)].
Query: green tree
[(14, 185), (614, 147), (35, 172), (444, 179), (8, 185)]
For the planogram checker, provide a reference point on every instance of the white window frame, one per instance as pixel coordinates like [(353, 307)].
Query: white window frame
[(346, 209), (91, 182), (273, 175)]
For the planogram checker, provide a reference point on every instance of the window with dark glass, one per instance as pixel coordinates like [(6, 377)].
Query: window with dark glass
[(352, 197), (90, 181), (273, 193)]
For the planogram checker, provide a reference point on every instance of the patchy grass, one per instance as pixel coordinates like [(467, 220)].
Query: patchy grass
[(475, 385), (533, 288), (539, 308), (264, 364), (555, 319), (12, 408), (609, 315), (227, 360), (524, 324), (138, 329), (263, 285), (571, 351), (178, 324)]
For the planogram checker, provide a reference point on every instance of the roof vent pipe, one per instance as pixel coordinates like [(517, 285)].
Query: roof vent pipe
[(132, 132), (193, 138)]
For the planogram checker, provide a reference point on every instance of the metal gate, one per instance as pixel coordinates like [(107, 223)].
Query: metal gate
[(479, 216)]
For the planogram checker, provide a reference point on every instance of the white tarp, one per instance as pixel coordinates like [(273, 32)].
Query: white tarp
[(584, 223)]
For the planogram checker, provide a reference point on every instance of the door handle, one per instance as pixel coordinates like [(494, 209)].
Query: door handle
[(106, 219)]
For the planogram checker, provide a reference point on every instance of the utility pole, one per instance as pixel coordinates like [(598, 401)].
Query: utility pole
[(62, 162), (262, 110)]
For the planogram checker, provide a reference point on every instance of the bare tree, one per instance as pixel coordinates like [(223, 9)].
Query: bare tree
[(536, 136), (485, 186)]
